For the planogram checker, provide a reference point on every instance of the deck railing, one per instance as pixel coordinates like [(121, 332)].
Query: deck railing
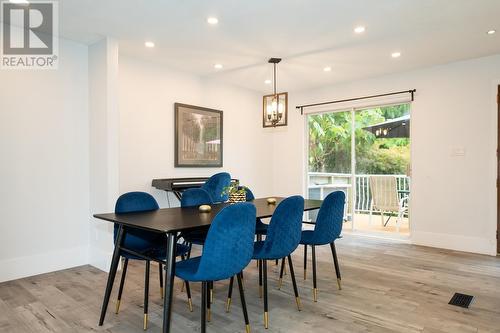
[(321, 184)]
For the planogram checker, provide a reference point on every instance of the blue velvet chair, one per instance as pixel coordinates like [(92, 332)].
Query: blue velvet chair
[(283, 236), (144, 242), (190, 198), (215, 186), (227, 251), (260, 227), (327, 229)]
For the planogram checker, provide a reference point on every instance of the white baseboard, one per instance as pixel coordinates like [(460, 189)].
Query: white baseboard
[(17, 268), (455, 242)]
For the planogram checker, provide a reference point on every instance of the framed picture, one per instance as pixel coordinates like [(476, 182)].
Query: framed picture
[(198, 136)]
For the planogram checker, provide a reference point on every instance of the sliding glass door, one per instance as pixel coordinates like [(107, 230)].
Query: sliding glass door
[(365, 153)]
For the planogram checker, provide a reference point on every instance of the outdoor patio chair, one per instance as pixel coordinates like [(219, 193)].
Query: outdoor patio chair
[(385, 199)]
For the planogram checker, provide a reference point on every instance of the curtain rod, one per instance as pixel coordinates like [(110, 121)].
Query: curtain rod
[(412, 92)]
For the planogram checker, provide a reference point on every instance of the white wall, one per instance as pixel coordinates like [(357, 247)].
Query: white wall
[(147, 93), (453, 198), (104, 146), (44, 173)]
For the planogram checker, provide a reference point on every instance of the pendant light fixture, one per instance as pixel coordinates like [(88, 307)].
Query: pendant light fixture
[(275, 106)]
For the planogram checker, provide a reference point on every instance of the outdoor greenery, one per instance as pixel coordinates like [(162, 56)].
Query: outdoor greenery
[(330, 143)]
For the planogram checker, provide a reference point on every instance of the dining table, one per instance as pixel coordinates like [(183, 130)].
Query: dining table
[(171, 222)]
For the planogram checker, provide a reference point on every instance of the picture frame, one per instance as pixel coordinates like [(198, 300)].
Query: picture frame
[(198, 136)]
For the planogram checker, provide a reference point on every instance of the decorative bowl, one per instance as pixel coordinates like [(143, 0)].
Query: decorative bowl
[(271, 201), (205, 208)]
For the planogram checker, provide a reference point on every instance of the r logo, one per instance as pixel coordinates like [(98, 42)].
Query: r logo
[(28, 29)]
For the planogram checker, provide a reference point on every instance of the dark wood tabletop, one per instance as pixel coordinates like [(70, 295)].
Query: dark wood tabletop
[(180, 219)]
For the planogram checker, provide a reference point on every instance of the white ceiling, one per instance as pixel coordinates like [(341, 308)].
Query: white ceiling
[(307, 34)]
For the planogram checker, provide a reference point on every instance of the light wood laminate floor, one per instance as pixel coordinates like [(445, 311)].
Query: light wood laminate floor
[(387, 287)]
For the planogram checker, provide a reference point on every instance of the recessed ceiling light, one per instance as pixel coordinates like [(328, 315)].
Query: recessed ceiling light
[(218, 66), (149, 44), (327, 69), (396, 54), (360, 29), (491, 32), (212, 20), (19, 2), (267, 81)]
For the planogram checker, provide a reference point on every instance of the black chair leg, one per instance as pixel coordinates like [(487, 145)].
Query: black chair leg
[(146, 294), (209, 313), (266, 306), (211, 292), (295, 289), (305, 261), (315, 287), (204, 293), (183, 257), (229, 293), (276, 262), (189, 252), (188, 292), (281, 273), (260, 278), (122, 282), (243, 302), (336, 263), (161, 279)]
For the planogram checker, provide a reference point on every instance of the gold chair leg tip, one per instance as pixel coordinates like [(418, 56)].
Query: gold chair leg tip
[(209, 315), (247, 328), (161, 292), (228, 304), (190, 304), (339, 282), (266, 320), (145, 321), (315, 294), (117, 306), (297, 300)]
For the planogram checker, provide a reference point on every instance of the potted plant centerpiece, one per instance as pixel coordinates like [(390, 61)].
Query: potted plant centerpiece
[(235, 192)]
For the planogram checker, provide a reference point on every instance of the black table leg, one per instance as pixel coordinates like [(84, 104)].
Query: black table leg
[(169, 282), (112, 272)]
